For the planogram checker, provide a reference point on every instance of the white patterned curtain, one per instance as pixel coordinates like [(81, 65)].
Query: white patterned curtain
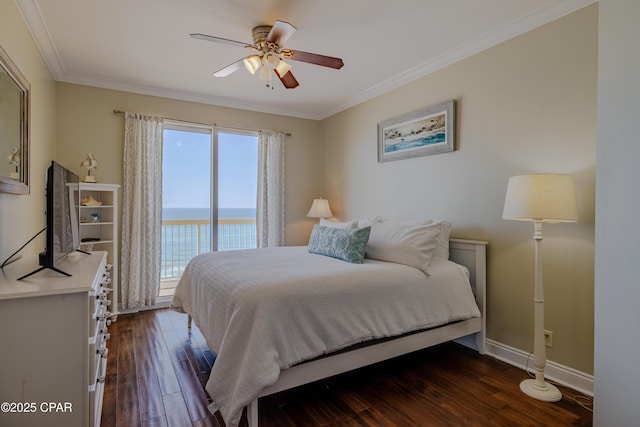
[(141, 210), (270, 203)]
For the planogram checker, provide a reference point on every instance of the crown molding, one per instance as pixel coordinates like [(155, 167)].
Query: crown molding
[(180, 95), (33, 18), (493, 38)]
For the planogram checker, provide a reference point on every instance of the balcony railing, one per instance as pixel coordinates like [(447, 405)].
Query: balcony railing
[(182, 239)]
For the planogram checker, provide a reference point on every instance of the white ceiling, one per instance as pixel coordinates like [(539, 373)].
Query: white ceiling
[(143, 46)]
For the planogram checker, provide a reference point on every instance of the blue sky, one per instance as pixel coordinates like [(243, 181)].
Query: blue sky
[(186, 170)]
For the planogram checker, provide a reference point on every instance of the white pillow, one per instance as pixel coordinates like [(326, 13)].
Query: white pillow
[(403, 243), (442, 249), (347, 225), (366, 221), (409, 222)]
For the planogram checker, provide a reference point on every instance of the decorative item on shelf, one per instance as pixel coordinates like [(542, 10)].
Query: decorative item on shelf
[(87, 243), (95, 217), (89, 164), (90, 201), (14, 159), (540, 198), (320, 209)]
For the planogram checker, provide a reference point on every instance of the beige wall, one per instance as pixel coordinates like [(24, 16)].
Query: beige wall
[(86, 123), (525, 106), (22, 216)]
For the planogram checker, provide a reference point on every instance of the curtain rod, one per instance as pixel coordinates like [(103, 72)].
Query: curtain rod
[(116, 111)]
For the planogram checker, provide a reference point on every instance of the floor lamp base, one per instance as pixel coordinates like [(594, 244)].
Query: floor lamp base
[(548, 393)]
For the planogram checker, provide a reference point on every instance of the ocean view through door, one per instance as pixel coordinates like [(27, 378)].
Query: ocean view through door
[(209, 184)]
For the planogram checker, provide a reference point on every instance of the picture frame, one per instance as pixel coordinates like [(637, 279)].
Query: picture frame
[(424, 132)]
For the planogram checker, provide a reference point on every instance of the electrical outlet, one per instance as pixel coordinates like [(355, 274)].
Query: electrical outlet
[(548, 338)]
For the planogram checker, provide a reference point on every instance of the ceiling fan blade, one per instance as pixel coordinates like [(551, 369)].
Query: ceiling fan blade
[(288, 80), (229, 68), (221, 40), (280, 32), (313, 58)]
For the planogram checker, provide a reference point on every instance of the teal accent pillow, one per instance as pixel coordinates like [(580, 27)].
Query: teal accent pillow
[(347, 245)]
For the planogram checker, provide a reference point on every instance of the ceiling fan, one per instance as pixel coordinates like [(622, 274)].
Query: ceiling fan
[(268, 41)]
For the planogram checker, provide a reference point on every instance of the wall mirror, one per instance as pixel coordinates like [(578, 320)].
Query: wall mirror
[(15, 95)]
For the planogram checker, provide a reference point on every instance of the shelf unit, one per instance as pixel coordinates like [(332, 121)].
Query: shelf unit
[(104, 229)]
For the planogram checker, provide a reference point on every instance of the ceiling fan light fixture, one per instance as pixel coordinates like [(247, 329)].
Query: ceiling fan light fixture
[(270, 60), (264, 74), (252, 63)]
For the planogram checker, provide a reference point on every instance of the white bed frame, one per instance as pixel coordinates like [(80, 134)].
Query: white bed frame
[(471, 254)]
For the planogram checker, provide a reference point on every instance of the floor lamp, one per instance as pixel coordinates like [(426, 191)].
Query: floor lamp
[(540, 198)]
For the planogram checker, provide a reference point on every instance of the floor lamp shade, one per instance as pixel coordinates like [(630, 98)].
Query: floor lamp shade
[(540, 198), (320, 209)]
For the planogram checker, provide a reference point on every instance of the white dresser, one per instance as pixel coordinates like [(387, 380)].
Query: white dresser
[(53, 332)]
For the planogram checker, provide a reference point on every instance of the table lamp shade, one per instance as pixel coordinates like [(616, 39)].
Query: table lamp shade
[(541, 197), (320, 209)]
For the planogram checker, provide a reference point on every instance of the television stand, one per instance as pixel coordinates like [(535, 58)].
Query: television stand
[(42, 268), (57, 270)]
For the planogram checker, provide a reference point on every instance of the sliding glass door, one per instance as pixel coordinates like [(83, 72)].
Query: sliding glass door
[(237, 187), (209, 183)]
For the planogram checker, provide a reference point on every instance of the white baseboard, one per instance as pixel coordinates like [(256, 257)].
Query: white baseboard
[(161, 302), (555, 372)]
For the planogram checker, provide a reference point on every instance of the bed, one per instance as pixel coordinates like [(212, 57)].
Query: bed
[(303, 323)]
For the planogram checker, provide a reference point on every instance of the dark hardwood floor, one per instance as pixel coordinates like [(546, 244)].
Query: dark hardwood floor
[(157, 370)]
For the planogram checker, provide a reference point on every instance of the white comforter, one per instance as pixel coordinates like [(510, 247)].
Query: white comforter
[(264, 310)]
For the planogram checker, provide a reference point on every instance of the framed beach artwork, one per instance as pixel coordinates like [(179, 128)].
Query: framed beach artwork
[(420, 133)]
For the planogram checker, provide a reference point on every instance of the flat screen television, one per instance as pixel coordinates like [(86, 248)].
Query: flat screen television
[(62, 227)]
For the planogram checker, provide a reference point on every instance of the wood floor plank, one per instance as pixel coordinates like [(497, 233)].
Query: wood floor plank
[(145, 366), (157, 370), (150, 397), (190, 386), (164, 368), (210, 421), (176, 410), (156, 422), (109, 400), (128, 407)]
